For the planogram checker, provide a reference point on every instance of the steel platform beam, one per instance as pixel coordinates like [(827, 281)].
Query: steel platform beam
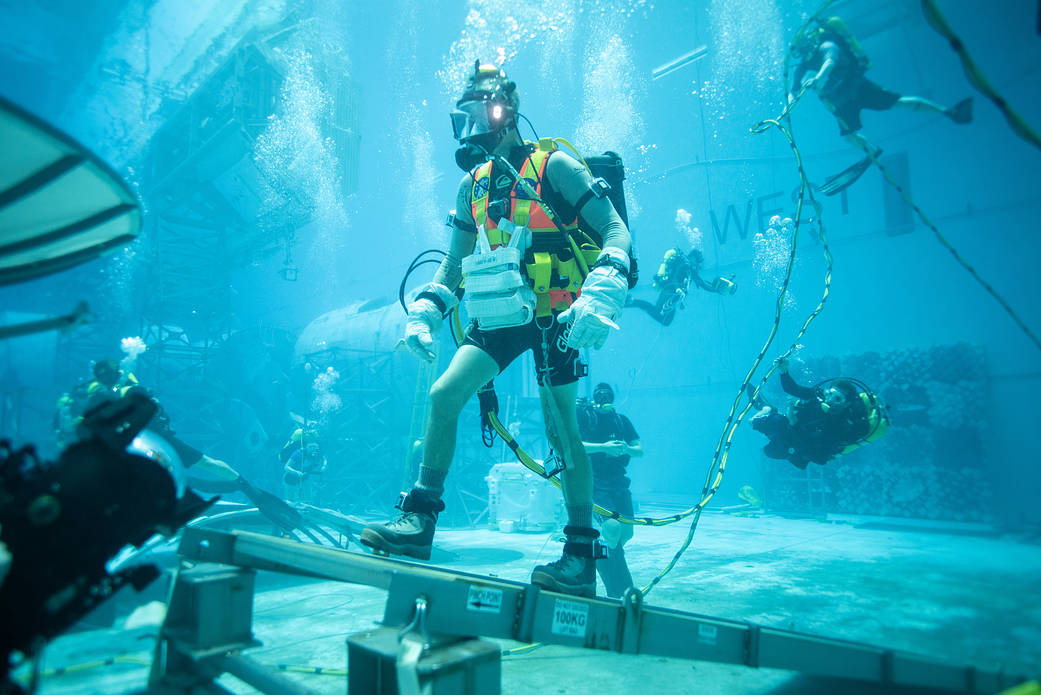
[(464, 604)]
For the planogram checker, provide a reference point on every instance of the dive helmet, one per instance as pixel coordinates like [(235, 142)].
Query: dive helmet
[(483, 114)]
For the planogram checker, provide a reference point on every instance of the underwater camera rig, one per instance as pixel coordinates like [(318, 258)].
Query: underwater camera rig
[(62, 521)]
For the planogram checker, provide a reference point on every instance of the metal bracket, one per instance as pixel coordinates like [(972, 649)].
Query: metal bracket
[(412, 643)]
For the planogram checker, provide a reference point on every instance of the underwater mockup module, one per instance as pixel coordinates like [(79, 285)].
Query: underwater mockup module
[(478, 347)]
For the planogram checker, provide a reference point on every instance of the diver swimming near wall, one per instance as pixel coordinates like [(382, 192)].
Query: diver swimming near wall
[(672, 281), (832, 62), (110, 384), (827, 420), (532, 228)]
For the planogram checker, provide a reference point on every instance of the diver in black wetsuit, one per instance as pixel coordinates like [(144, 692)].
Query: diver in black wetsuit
[(824, 422), (673, 283), (831, 61), (610, 440)]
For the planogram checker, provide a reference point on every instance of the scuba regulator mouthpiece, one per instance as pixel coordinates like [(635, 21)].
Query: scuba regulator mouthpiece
[(469, 155)]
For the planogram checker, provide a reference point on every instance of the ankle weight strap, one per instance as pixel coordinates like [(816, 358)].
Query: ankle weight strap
[(579, 533), (419, 501)]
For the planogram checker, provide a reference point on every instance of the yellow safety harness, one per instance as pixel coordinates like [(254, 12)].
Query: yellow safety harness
[(561, 252)]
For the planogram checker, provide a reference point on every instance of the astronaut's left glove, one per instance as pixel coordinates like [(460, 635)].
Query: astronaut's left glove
[(600, 301)]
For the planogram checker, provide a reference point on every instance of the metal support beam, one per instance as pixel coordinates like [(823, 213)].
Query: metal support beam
[(463, 604)]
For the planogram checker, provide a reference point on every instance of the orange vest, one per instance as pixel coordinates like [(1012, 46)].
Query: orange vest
[(550, 264)]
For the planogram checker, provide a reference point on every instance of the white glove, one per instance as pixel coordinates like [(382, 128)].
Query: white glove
[(424, 320), (600, 303)]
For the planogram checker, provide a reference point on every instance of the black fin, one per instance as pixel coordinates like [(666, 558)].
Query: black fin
[(845, 178)]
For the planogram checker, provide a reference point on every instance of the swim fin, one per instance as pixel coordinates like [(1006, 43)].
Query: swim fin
[(961, 112), (847, 177), (274, 508)]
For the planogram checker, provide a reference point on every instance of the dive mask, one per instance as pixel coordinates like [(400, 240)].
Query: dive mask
[(476, 117)]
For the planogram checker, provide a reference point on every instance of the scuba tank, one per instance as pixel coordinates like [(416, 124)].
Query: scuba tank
[(609, 167)]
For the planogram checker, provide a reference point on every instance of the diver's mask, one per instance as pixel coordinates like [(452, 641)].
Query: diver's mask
[(479, 125), (603, 397), (474, 118), (832, 398)]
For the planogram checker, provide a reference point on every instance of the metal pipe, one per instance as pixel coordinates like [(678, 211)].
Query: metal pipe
[(681, 62)]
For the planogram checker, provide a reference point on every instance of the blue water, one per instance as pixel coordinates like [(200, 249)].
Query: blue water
[(114, 76), (292, 158)]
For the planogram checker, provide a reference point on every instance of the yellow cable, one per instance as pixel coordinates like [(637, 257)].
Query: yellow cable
[(950, 247), (938, 22), (722, 452), (99, 663), (313, 670)]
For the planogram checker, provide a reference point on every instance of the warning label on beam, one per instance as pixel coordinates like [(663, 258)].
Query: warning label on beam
[(483, 599), (569, 618)]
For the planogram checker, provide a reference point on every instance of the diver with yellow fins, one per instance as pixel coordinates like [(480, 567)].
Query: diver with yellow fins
[(107, 397), (112, 384), (832, 61), (672, 281), (546, 259), (303, 464), (826, 420)]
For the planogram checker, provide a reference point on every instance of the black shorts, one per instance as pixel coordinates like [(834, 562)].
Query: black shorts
[(617, 498), (862, 94), (506, 344)]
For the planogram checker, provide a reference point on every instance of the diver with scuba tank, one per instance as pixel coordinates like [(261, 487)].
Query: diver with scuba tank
[(672, 281), (827, 420)]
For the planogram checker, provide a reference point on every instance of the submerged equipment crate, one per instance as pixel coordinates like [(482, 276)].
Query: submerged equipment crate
[(519, 500)]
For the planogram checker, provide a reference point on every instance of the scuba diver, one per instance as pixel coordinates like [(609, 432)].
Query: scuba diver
[(673, 282), (610, 440), (519, 210), (302, 462), (102, 395), (109, 382), (827, 420), (831, 61)]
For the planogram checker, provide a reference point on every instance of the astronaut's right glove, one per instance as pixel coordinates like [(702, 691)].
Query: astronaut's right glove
[(425, 318)]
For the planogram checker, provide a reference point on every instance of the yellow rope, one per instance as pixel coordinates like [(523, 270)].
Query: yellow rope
[(719, 459), (976, 77), (950, 247)]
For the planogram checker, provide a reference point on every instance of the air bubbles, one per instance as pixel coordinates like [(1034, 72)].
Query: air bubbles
[(325, 401), (691, 233), (773, 248)]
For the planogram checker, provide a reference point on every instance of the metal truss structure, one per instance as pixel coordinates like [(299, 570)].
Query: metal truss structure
[(433, 618)]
